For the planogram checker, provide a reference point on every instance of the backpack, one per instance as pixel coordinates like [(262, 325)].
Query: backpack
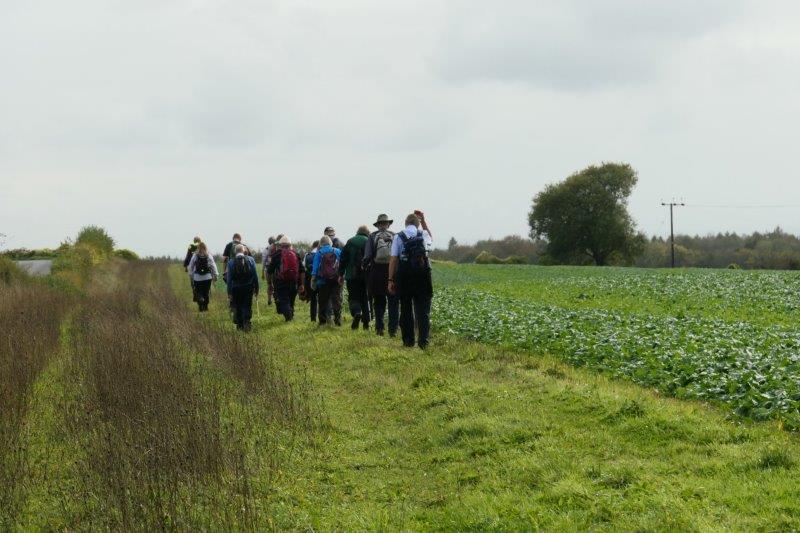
[(358, 266), (201, 265), (382, 247), (289, 266), (329, 266), (308, 261), (241, 270), (415, 255)]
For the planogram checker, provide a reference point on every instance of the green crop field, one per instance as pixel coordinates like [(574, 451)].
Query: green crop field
[(551, 398), (718, 335)]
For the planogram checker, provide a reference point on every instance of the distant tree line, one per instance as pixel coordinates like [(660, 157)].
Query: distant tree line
[(775, 250)]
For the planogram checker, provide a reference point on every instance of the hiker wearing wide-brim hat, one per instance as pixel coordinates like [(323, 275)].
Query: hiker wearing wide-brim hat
[(383, 219), (287, 271), (377, 252)]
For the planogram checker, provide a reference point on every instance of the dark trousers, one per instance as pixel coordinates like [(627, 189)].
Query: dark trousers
[(242, 305), (416, 293), (285, 296), (330, 299), (380, 304), (357, 299), (202, 291), (313, 298)]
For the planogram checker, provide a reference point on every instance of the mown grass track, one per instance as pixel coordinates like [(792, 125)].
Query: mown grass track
[(469, 436)]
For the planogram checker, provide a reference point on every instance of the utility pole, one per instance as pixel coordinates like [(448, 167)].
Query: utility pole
[(672, 205)]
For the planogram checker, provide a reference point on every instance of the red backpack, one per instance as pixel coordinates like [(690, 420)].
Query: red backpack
[(290, 266), (329, 266)]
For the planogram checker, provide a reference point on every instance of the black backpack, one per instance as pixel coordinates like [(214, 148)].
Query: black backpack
[(241, 270), (201, 265), (358, 267), (308, 261), (415, 254)]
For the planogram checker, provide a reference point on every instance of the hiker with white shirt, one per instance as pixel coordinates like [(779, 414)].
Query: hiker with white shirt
[(410, 279)]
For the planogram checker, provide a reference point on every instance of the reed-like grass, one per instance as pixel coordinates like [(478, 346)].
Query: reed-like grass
[(31, 317), (160, 453)]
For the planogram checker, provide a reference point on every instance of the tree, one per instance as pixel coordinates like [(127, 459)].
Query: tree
[(97, 238), (452, 244), (585, 217)]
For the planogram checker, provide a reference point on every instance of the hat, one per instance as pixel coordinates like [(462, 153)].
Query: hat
[(383, 218), (285, 240), (329, 230)]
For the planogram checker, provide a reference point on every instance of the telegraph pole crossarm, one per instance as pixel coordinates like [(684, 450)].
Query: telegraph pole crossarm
[(672, 206)]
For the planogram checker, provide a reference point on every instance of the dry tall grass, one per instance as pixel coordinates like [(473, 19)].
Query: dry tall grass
[(158, 453), (31, 318)]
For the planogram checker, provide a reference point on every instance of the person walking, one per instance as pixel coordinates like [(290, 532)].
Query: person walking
[(189, 253), (335, 241), (287, 272), (377, 253), (410, 278), (351, 266), (328, 283), (203, 271), (266, 255), (310, 294), (242, 287), (228, 253)]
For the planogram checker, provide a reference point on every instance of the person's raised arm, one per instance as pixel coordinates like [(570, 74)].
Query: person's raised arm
[(424, 223)]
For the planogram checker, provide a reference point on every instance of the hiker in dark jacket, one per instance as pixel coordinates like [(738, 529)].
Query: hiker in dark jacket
[(242, 286), (377, 254), (351, 266), (327, 281), (410, 278), (203, 271), (271, 249), (310, 294), (287, 272), (335, 241), (228, 253), (190, 252)]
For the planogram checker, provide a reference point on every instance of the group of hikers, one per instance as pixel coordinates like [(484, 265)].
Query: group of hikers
[(384, 273)]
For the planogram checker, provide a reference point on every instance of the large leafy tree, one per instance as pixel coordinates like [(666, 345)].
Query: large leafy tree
[(585, 217)]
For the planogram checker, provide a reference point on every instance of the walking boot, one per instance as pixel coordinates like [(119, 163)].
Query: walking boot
[(354, 324)]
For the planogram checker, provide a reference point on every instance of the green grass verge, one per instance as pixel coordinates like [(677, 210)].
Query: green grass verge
[(470, 436)]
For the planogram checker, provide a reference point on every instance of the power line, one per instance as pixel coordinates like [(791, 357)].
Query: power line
[(744, 206)]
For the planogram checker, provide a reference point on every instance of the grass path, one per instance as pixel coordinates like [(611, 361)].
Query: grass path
[(469, 436)]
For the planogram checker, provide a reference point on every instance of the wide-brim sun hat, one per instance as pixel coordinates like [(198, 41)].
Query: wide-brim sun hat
[(383, 218), (285, 240)]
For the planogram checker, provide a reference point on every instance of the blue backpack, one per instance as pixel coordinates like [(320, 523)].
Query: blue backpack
[(415, 254)]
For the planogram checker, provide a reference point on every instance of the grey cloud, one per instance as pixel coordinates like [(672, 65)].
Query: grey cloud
[(571, 44)]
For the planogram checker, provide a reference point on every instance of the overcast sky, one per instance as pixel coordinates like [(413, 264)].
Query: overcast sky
[(162, 119)]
